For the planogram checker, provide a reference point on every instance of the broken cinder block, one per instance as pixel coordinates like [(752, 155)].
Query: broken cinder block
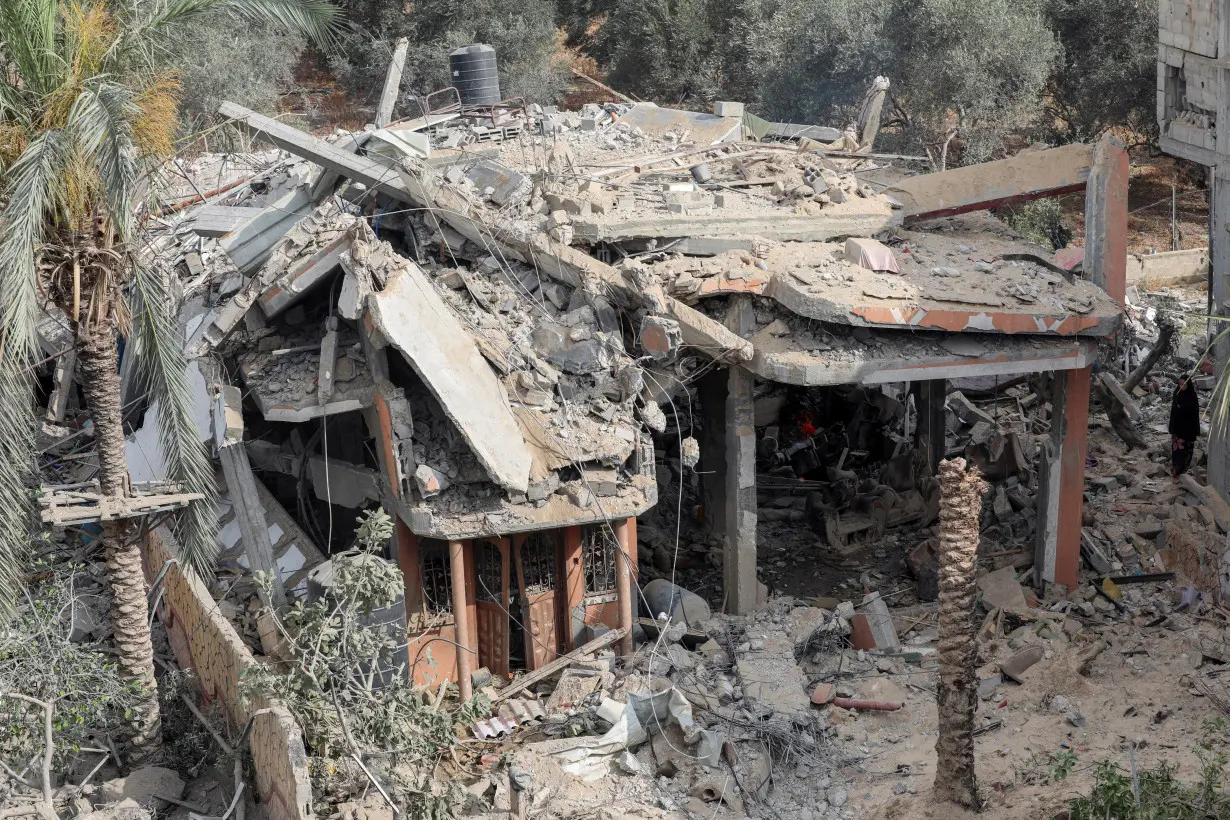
[(430, 481)]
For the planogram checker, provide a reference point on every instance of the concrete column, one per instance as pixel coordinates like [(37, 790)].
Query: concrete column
[(711, 389), (625, 567), (932, 423), (1219, 252), (241, 487), (740, 557), (461, 619), (1106, 218), (1061, 481), (392, 83)]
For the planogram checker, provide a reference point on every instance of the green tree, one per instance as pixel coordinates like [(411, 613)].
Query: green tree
[(87, 106), (217, 60), (661, 50), (522, 32), (973, 70), (1107, 74)]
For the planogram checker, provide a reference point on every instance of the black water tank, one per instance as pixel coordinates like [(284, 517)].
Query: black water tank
[(475, 74)]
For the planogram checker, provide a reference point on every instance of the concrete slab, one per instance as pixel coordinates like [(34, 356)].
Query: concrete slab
[(703, 129), (830, 359), (416, 321), (1028, 175)]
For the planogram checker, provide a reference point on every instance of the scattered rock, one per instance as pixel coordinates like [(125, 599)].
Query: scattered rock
[(142, 786)]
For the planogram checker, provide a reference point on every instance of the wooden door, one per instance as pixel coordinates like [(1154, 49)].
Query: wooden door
[(492, 591), (537, 582)]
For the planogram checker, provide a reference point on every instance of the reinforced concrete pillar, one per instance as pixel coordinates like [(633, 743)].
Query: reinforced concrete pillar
[(739, 569), (1106, 200), (929, 398), (1219, 289), (711, 389), (625, 566), (1061, 481), (461, 619)]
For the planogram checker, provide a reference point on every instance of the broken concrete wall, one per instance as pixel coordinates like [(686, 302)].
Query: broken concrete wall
[(204, 641)]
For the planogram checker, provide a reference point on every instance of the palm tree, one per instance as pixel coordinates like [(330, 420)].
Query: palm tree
[(87, 106)]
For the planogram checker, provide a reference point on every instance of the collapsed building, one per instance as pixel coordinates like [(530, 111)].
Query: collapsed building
[(519, 329)]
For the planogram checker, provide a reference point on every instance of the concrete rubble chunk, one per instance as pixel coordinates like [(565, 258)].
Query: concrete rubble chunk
[(663, 597), (411, 315), (430, 481), (144, 786), (573, 353)]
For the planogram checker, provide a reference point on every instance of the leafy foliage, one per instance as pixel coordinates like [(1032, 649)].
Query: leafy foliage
[(217, 60), (1107, 71), (343, 682), (1041, 221), (522, 32), (38, 659), (86, 105), (1159, 794)]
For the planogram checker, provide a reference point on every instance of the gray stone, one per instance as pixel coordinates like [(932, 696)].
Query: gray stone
[(664, 597), (430, 481), (554, 343), (837, 797), (142, 785), (126, 809)]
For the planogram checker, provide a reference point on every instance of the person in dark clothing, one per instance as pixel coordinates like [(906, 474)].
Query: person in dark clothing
[(1184, 425)]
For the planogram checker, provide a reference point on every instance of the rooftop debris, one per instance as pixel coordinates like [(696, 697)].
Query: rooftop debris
[(503, 322)]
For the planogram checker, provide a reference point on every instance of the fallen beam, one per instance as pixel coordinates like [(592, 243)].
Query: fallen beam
[(1028, 175), (783, 227), (352, 166), (392, 83), (241, 484), (412, 316), (219, 220), (709, 335), (601, 642)]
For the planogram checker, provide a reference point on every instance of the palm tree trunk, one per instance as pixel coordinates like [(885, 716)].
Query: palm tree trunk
[(97, 358), (960, 508)]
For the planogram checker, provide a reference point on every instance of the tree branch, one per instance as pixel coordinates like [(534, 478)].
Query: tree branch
[(48, 708)]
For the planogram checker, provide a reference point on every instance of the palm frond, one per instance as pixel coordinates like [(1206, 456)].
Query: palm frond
[(102, 120), (1219, 401), (28, 190), (160, 360), (151, 21), (28, 31)]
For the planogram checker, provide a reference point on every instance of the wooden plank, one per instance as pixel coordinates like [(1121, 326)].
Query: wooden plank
[(601, 642)]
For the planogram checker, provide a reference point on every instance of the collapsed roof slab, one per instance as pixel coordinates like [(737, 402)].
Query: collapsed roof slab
[(352, 166), (967, 274), (560, 510), (412, 317), (909, 307), (283, 381), (1020, 178), (701, 128), (797, 358), (837, 222)]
